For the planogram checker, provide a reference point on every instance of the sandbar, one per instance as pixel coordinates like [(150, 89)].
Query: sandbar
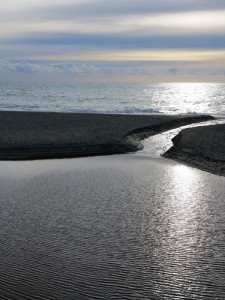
[(43, 135), (202, 147)]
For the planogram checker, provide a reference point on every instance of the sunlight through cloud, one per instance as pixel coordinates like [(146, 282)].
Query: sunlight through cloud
[(142, 55)]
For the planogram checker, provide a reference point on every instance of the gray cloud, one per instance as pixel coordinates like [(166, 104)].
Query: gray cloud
[(173, 71), (104, 8), (48, 67), (101, 8), (123, 41), (111, 69), (24, 35)]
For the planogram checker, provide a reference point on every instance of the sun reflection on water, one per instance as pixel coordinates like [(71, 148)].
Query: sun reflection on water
[(191, 95), (184, 198), (184, 176), (186, 98), (184, 237)]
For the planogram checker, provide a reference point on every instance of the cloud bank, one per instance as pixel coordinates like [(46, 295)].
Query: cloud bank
[(112, 71), (85, 32)]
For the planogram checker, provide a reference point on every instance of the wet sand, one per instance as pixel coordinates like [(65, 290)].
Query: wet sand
[(38, 135), (202, 147)]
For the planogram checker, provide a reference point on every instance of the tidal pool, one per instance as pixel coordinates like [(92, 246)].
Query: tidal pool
[(118, 227)]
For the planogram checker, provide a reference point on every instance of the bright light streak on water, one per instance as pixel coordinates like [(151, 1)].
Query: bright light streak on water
[(158, 144), (186, 97), (117, 227), (139, 98)]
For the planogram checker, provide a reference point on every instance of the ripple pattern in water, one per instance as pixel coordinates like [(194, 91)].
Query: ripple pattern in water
[(120, 227), (139, 98)]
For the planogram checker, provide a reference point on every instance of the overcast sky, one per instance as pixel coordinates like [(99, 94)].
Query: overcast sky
[(160, 40)]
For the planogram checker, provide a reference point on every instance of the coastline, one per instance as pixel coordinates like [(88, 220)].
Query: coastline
[(44, 135), (201, 147)]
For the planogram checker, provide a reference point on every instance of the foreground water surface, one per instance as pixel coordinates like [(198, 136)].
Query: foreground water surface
[(118, 227)]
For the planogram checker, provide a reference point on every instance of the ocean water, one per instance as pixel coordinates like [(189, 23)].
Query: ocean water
[(139, 98)]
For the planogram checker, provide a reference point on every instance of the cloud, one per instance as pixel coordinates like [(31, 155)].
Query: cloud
[(140, 55), (170, 24), (70, 9), (69, 44), (98, 32), (173, 71), (114, 70), (56, 67)]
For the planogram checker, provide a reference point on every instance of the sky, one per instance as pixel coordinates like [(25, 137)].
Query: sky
[(119, 40)]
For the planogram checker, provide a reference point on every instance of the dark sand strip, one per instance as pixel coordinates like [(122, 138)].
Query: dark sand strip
[(202, 147), (39, 135)]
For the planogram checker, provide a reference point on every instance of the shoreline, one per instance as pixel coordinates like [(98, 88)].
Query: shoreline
[(45, 135), (201, 147)]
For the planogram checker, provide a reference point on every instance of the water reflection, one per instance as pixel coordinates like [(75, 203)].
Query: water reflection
[(158, 144), (184, 208), (188, 249), (177, 253), (119, 227), (184, 180), (186, 97)]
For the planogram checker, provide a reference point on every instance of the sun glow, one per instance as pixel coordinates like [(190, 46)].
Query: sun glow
[(142, 55)]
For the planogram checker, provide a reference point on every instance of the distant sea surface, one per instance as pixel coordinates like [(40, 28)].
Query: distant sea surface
[(137, 98)]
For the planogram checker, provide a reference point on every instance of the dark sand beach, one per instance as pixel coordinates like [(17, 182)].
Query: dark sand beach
[(40, 135), (35, 135), (201, 147)]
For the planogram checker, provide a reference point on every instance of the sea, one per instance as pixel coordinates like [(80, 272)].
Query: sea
[(134, 226), (122, 98)]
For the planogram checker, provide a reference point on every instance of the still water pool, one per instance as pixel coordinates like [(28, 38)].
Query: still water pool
[(118, 227)]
